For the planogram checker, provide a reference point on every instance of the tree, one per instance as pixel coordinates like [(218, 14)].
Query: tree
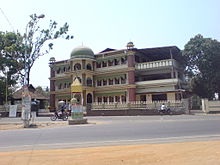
[(203, 64), (44, 92), (34, 40), (10, 50)]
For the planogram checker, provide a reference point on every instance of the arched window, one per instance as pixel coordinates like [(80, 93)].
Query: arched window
[(105, 99), (104, 82), (58, 70), (111, 99), (116, 61), (104, 64), (99, 83), (123, 60), (77, 66), (99, 99), (89, 98), (89, 82), (64, 69), (65, 85), (123, 80), (117, 81), (60, 86), (117, 99), (110, 62), (98, 65), (89, 67), (123, 98), (143, 98), (110, 81)]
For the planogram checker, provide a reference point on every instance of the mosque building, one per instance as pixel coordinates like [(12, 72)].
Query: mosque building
[(126, 75)]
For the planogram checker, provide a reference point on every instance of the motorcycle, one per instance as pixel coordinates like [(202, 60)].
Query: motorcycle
[(56, 115), (166, 111)]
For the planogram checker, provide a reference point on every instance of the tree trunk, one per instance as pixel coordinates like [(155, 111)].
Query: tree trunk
[(28, 76)]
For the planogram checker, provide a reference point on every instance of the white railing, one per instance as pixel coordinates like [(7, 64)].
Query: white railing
[(173, 104), (156, 64)]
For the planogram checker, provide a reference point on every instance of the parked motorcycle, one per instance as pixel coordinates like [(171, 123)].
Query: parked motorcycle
[(56, 115)]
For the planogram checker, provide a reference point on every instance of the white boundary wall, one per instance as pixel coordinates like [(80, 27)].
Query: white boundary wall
[(210, 106), (173, 104)]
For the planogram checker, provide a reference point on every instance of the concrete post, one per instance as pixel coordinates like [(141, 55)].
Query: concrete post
[(186, 105), (205, 105), (26, 107)]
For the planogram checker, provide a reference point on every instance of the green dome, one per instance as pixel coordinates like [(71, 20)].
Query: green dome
[(82, 52)]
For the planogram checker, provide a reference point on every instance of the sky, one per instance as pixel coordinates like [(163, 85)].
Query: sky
[(101, 24)]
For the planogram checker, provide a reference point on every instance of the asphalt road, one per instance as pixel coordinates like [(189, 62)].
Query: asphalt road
[(112, 131)]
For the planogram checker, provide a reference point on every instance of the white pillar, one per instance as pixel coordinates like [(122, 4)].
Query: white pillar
[(186, 105), (205, 105)]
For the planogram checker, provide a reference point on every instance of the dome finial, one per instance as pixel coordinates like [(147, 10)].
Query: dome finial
[(130, 45)]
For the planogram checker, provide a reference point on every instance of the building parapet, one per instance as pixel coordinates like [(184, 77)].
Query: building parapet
[(160, 82), (156, 64)]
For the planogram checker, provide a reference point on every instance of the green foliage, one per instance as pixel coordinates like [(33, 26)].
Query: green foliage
[(10, 65), (10, 53), (203, 63), (17, 51), (44, 92)]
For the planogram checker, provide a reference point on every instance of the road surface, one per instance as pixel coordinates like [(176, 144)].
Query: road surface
[(103, 131)]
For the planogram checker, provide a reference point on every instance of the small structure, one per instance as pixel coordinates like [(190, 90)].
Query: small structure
[(34, 94), (77, 103)]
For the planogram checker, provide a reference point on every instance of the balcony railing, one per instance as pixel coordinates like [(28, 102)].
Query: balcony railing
[(111, 68), (173, 81), (156, 64)]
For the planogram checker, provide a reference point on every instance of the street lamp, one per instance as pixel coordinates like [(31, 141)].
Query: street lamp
[(26, 98), (41, 16)]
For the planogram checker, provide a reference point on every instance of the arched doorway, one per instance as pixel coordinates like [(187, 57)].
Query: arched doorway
[(89, 98)]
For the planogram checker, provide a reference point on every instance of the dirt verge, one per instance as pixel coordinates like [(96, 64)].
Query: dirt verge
[(188, 153)]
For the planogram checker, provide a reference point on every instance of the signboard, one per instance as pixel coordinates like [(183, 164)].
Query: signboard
[(13, 110)]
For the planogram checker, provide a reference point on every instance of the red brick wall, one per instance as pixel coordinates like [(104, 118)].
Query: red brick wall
[(131, 77), (131, 94), (52, 88), (131, 61)]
